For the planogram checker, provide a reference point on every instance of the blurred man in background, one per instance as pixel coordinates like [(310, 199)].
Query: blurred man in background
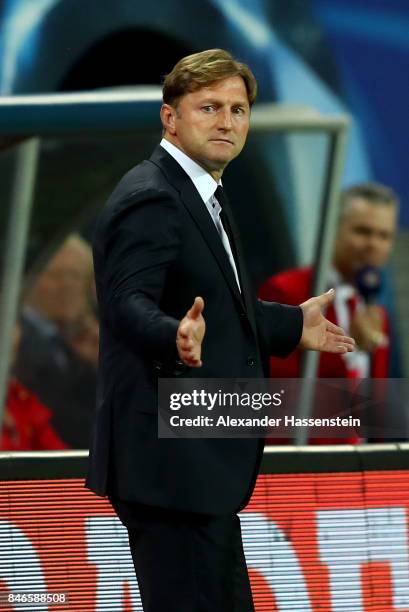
[(366, 230), (364, 239), (59, 346)]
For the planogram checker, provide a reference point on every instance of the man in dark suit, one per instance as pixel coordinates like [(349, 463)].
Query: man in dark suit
[(174, 299)]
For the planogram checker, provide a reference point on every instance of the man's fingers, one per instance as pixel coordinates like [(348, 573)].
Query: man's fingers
[(339, 349), (342, 348), (185, 339), (194, 363), (197, 308), (190, 360), (326, 298), (184, 333), (342, 344), (340, 336), (188, 351), (348, 343), (190, 334), (335, 329)]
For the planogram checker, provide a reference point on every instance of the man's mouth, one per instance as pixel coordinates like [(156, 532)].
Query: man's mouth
[(224, 140)]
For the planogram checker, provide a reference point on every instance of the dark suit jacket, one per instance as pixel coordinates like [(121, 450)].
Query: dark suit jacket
[(155, 249)]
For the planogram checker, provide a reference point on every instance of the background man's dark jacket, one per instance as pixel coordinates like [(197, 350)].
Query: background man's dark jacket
[(155, 249)]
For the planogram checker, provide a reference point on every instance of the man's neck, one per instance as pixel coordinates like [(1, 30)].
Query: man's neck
[(345, 276)]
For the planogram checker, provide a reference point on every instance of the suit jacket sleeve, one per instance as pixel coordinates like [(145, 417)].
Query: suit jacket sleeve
[(280, 327), (140, 242)]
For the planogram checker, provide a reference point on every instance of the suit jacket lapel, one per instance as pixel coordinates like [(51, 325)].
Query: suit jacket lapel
[(198, 211)]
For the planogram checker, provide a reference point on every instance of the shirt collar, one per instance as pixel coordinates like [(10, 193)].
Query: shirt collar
[(344, 290), (202, 180), (334, 277)]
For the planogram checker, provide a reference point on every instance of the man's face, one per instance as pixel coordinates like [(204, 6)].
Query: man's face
[(210, 125), (61, 292), (365, 236)]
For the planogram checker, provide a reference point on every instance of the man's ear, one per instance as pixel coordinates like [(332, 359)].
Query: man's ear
[(168, 118)]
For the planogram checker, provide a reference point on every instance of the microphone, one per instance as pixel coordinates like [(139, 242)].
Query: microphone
[(368, 281)]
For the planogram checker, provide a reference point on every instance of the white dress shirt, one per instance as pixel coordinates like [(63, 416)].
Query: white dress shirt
[(206, 186)]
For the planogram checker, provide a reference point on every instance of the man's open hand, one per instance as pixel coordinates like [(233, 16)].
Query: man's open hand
[(190, 335), (318, 333)]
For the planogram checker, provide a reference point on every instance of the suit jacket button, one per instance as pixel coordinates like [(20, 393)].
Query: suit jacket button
[(157, 366), (251, 361)]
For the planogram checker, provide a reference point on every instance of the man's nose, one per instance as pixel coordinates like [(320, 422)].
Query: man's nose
[(374, 243), (225, 119)]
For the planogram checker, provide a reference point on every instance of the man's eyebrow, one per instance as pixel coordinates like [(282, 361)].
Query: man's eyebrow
[(209, 100)]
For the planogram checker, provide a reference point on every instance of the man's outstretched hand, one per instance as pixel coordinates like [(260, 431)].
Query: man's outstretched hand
[(190, 335), (318, 333)]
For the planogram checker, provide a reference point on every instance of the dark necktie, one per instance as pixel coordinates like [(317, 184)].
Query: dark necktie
[(225, 213), (221, 197), (225, 216)]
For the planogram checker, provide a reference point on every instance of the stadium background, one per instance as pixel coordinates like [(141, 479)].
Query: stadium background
[(335, 56)]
